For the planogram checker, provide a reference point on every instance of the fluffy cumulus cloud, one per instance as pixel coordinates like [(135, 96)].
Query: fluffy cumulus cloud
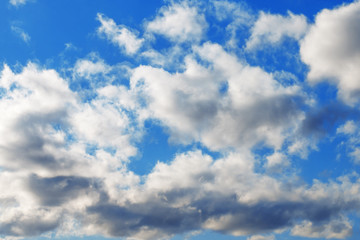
[(332, 51), (121, 36), (271, 29), (69, 136), (195, 191), (179, 22), (87, 67), (206, 104), (44, 155)]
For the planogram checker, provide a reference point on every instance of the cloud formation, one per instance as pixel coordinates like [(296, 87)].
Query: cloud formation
[(331, 49), (70, 135), (121, 36), (272, 29), (179, 22), (201, 102), (18, 2), (21, 33)]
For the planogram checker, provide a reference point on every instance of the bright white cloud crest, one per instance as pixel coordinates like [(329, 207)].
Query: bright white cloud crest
[(272, 29), (179, 22), (332, 50), (119, 35), (65, 160)]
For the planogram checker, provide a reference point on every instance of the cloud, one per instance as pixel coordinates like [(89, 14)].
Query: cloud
[(32, 129), (21, 33), (261, 237), (87, 68), (69, 140), (238, 17), (331, 49), (225, 195), (319, 121), (206, 104), (18, 2), (179, 22), (121, 36), (227, 9), (45, 157), (91, 73), (272, 29), (351, 143), (348, 128), (277, 161), (338, 228)]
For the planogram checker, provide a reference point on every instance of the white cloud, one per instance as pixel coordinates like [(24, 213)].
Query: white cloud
[(351, 144), (103, 124), (179, 23), (261, 237), (64, 161), (331, 49), (277, 161), (18, 2), (356, 155), (121, 36), (227, 9), (44, 157), (89, 67), (197, 192), (21, 33), (348, 128), (272, 29), (337, 228), (167, 58), (206, 103), (240, 16)]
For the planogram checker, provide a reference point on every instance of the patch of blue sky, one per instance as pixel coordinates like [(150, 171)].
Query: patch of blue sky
[(282, 56)]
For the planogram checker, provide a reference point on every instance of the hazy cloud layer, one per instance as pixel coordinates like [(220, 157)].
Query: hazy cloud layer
[(18, 2)]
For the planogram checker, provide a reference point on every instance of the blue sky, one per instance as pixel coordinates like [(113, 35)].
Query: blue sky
[(179, 119)]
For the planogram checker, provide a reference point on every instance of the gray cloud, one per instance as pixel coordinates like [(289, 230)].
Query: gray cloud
[(27, 227), (57, 190), (320, 121)]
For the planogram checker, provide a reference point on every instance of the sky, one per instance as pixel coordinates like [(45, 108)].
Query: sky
[(167, 119)]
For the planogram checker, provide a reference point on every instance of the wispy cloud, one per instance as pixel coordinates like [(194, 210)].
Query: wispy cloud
[(21, 33), (18, 2), (179, 22)]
